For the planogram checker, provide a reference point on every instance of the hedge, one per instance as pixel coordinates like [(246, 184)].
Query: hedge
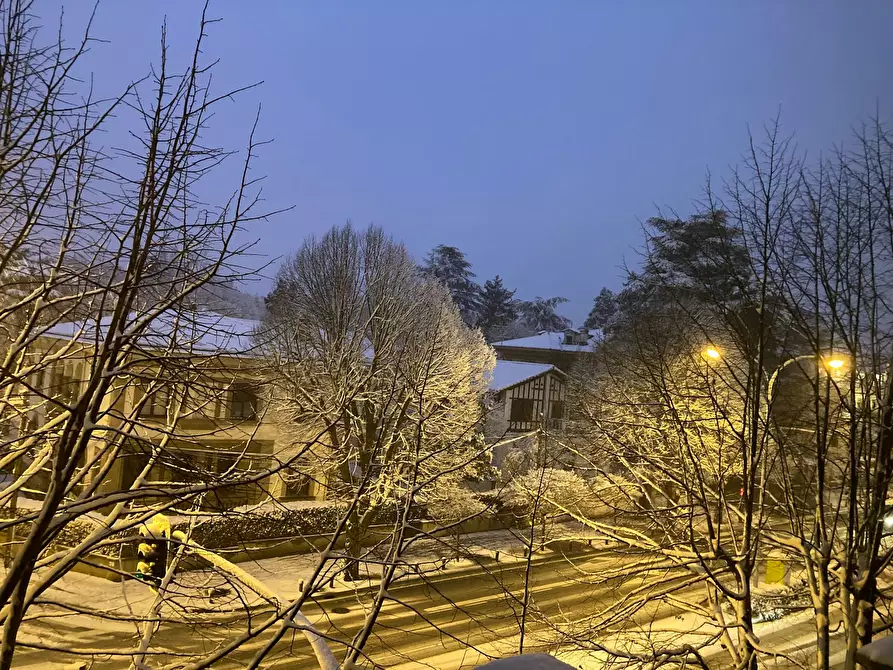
[(70, 535), (232, 529), (237, 528), (229, 529)]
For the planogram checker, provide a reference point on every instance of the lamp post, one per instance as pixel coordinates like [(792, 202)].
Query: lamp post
[(832, 362)]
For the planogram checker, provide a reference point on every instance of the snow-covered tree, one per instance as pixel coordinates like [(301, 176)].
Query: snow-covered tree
[(665, 431), (377, 357), (559, 490), (540, 314), (689, 263), (449, 266), (497, 308), (231, 301), (704, 255), (742, 403), (604, 309)]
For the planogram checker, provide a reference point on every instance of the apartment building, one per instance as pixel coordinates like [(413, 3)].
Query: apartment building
[(189, 396)]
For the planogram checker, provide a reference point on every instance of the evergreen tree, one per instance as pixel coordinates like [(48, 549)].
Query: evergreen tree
[(511, 331), (701, 259), (604, 309), (699, 264), (539, 314), (449, 266), (496, 309)]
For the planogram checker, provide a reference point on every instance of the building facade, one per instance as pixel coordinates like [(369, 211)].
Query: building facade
[(528, 390), (189, 401), (525, 398)]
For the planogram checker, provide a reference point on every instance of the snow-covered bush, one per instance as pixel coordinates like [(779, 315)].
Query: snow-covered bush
[(614, 492), (550, 491), (450, 502)]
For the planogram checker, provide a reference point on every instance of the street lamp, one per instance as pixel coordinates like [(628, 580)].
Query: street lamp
[(834, 363), (712, 353)]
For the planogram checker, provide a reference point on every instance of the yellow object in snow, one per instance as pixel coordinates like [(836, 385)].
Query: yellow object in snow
[(158, 526)]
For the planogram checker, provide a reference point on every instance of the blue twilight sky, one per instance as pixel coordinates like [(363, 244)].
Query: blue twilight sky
[(535, 136)]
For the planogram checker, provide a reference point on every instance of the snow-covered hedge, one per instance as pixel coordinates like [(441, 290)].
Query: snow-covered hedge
[(233, 529), (230, 529), (70, 535)]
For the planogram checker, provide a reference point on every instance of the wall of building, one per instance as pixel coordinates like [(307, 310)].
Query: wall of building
[(210, 436), (560, 359), (544, 397)]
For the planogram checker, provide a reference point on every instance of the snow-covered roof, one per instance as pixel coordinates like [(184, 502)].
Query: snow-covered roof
[(511, 373), (200, 332), (553, 341)]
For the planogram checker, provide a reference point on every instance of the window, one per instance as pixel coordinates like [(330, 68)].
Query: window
[(522, 409), (557, 409), (297, 485), (64, 390), (242, 402), (162, 473), (356, 472), (133, 465), (226, 464), (37, 381), (156, 402)]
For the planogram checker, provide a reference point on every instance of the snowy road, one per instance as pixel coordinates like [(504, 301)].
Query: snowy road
[(445, 624)]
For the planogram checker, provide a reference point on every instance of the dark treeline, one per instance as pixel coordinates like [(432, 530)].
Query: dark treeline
[(492, 307)]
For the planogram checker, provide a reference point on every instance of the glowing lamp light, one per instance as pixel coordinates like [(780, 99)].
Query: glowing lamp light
[(835, 363), (710, 352)]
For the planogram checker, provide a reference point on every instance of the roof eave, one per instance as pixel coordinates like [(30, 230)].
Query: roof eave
[(527, 379)]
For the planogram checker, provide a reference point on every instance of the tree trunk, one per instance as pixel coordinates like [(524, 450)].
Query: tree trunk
[(353, 548), (852, 639), (822, 623), (745, 620), (867, 596)]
